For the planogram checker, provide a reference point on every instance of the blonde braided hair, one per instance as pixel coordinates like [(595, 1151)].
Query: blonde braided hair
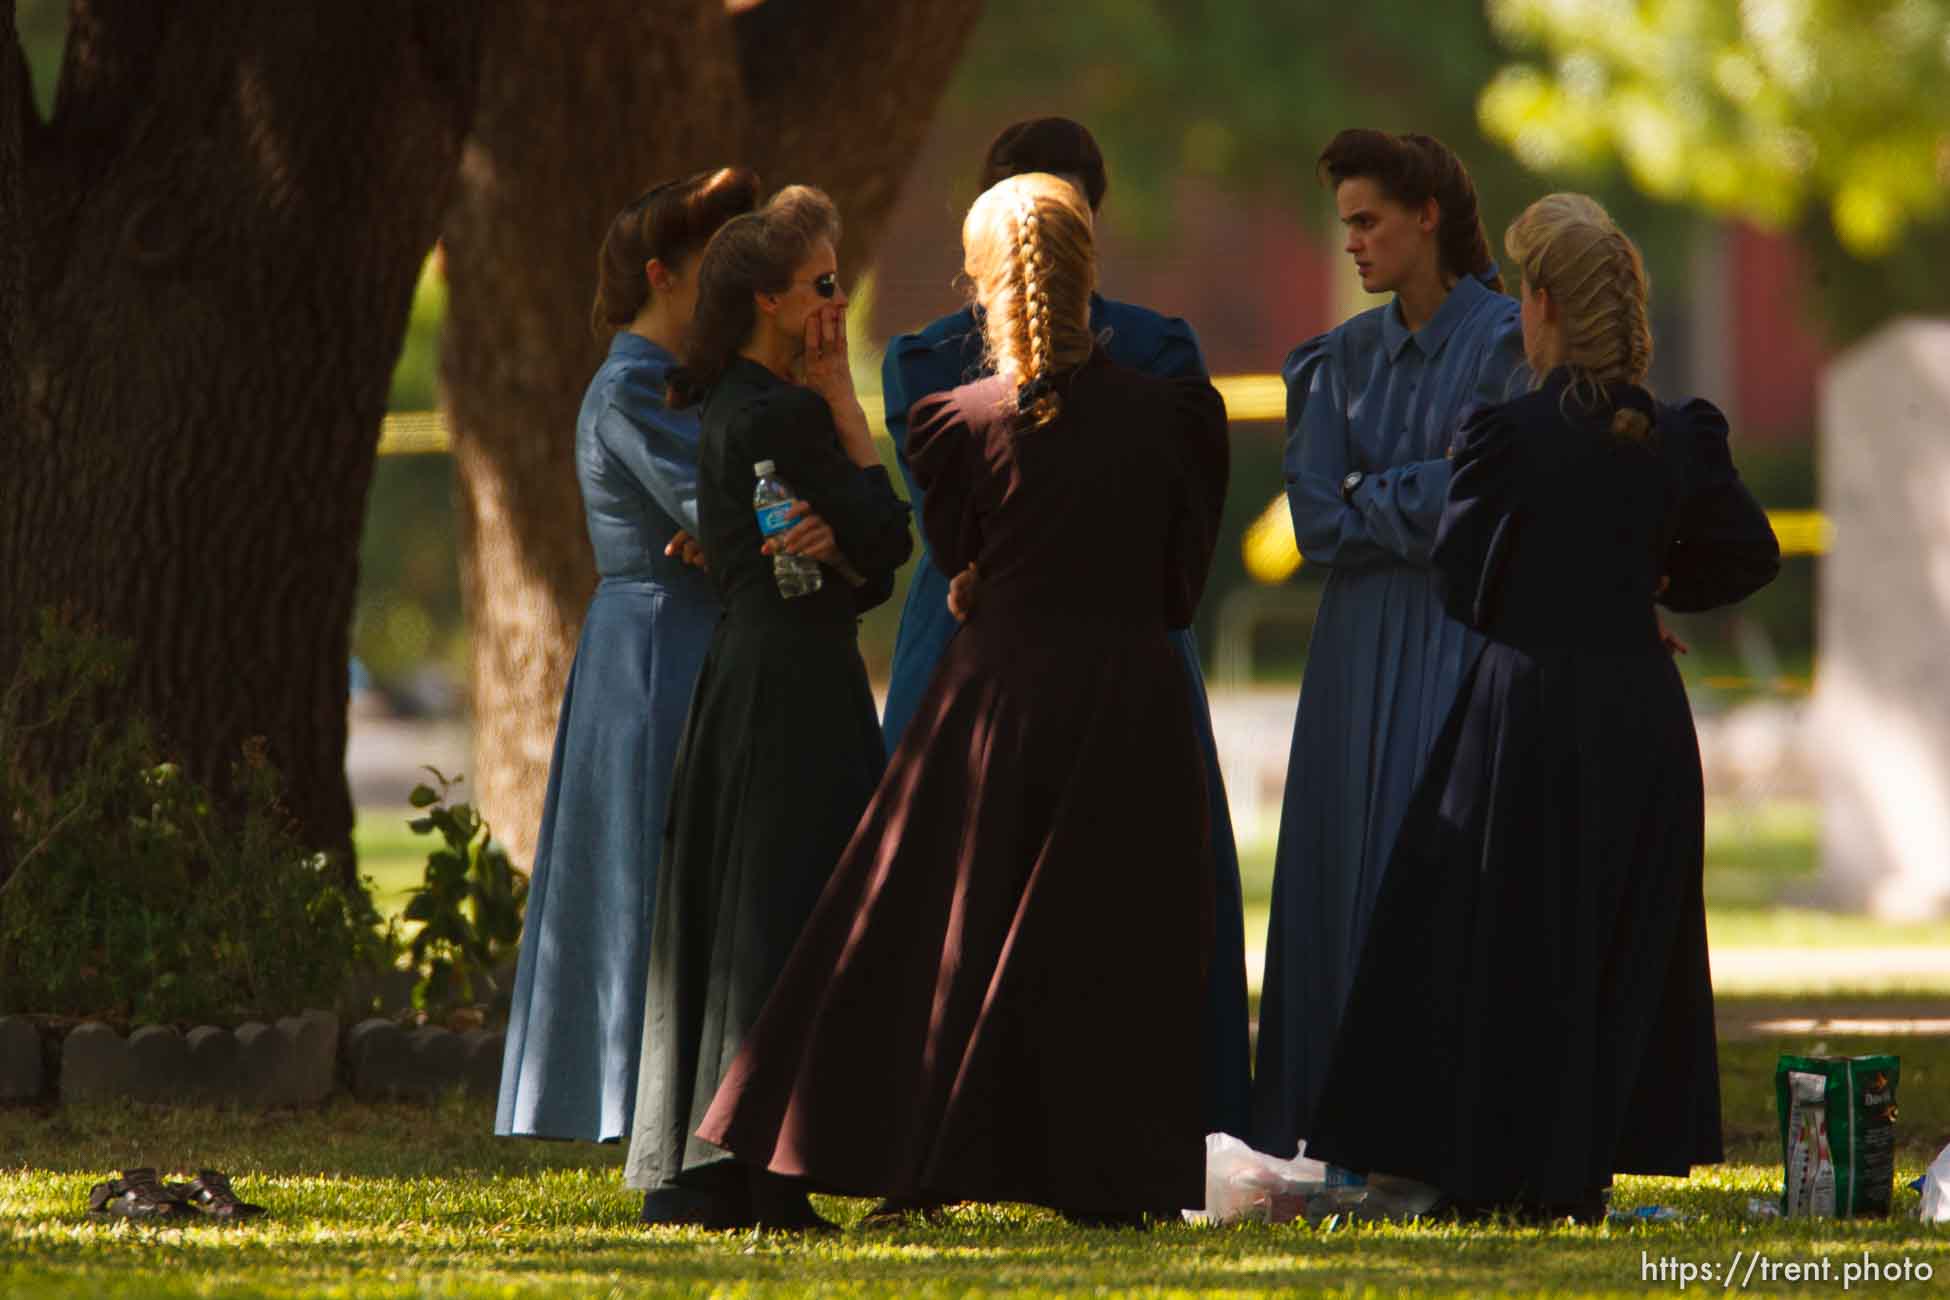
[(1568, 245), (1030, 257)]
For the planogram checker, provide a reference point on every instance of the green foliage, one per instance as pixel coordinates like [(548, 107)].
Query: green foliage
[(1245, 95), (408, 609), (415, 375), (1756, 109), (469, 907), (43, 29), (125, 893)]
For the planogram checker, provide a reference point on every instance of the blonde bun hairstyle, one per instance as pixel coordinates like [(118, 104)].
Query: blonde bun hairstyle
[(1568, 246)]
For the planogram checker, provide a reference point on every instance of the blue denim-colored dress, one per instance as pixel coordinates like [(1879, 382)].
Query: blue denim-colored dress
[(1385, 660), (576, 1024), (944, 356)]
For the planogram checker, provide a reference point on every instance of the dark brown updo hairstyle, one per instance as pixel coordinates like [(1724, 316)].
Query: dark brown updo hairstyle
[(1411, 170), (1048, 144), (756, 253), (667, 222)]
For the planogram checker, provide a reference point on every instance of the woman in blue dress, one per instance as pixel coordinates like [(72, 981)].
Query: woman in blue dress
[(1373, 408), (950, 353), (1533, 1012), (575, 1024)]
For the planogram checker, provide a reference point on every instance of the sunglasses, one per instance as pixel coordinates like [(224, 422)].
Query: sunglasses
[(825, 284)]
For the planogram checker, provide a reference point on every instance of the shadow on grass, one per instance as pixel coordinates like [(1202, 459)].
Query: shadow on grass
[(343, 1139)]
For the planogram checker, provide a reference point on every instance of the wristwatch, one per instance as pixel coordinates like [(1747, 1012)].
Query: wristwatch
[(1349, 484)]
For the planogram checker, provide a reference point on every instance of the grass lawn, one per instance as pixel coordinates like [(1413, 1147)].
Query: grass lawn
[(414, 1201), (402, 1200), (393, 856)]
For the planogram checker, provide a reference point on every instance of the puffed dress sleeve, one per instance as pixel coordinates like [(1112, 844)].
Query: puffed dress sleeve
[(1723, 548), (1177, 355), (1480, 520), (1326, 529), (946, 458), (655, 445)]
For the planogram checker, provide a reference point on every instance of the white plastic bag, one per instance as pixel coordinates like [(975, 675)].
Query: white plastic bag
[(1241, 1183), (1936, 1186)]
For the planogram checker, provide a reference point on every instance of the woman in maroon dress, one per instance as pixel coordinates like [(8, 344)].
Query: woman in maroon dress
[(999, 997)]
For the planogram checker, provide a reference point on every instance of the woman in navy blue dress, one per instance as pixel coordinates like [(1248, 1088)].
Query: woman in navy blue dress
[(1533, 1011), (950, 353), (576, 1020), (1373, 407)]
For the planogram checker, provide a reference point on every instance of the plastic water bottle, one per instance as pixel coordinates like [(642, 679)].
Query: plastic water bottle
[(797, 575)]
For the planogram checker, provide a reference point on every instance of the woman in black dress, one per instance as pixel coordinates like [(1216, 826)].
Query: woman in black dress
[(1533, 1011), (782, 747)]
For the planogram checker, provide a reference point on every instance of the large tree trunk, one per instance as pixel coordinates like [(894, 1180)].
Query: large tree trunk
[(584, 105), (224, 218), (15, 106)]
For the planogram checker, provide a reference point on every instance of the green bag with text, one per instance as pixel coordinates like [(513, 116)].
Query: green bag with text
[(1838, 1134)]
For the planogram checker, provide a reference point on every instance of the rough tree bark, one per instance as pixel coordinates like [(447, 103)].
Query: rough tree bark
[(221, 225), (582, 107), (15, 104), (14, 100)]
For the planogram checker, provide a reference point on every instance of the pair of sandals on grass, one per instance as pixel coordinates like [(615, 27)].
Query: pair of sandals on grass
[(141, 1196)]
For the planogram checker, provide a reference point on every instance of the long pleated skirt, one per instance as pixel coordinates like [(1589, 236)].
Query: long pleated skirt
[(1382, 671), (1534, 1009), (575, 1024), (781, 753), (1001, 995), (926, 630)]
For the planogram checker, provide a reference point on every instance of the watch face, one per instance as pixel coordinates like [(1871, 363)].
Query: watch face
[(1351, 482)]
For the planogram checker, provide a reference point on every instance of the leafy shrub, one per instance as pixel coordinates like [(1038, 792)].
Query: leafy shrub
[(469, 905), (125, 894)]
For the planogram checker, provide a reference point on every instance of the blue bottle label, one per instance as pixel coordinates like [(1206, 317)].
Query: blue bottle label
[(772, 519)]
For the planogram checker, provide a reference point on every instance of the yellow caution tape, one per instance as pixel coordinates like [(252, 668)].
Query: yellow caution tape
[(413, 433), (1268, 548), (1253, 397), (1272, 556)]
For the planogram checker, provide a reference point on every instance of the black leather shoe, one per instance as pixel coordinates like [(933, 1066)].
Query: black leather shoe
[(780, 1204), (671, 1206)]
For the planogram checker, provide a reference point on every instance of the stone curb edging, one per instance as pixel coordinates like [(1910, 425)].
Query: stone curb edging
[(23, 1062), (294, 1062), (382, 1059)]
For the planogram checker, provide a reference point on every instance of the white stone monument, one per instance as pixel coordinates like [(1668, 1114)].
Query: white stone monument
[(1882, 683)]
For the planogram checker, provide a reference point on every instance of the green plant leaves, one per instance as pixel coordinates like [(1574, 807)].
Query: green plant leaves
[(125, 893), (469, 904)]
